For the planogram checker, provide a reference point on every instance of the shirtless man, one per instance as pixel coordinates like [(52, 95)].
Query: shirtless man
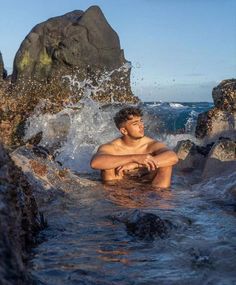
[(134, 152)]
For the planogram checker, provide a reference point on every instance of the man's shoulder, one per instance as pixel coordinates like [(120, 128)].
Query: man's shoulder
[(109, 146), (154, 145)]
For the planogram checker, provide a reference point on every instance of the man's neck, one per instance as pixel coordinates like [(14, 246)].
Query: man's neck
[(131, 142)]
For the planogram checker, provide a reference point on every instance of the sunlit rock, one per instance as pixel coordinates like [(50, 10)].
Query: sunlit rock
[(82, 44), (215, 123), (221, 120), (224, 95), (47, 176), (61, 61)]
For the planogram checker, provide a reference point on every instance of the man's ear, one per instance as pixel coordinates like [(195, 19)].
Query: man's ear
[(123, 131)]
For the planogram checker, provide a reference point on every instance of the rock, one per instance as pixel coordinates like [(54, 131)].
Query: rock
[(61, 61), (190, 156), (221, 120), (19, 222), (224, 95), (215, 123), (144, 226), (3, 72), (78, 43), (48, 177), (221, 159)]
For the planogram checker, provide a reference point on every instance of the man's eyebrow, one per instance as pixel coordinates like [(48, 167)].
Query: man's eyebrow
[(136, 121)]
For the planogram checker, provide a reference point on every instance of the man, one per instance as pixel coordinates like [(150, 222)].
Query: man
[(134, 152)]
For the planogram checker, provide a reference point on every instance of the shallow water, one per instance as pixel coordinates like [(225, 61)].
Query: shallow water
[(84, 245)]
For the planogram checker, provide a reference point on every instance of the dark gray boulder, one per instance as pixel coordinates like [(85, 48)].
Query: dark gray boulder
[(144, 226), (77, 43)]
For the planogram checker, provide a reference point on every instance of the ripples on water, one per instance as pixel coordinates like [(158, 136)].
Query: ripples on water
[(82, 245)]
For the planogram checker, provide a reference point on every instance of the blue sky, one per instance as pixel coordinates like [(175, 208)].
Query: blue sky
[(179, 49)]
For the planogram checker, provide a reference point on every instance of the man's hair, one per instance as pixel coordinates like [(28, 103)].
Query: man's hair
[(125, 114)]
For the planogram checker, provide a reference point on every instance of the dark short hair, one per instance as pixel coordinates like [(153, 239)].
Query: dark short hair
[(124, 115)]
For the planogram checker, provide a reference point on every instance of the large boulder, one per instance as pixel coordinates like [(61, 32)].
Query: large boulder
[(224, 95), (81, 44), (61, 61), (19, 222)]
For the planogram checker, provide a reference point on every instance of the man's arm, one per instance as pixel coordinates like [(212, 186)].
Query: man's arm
[(162, 155), (105, 158)]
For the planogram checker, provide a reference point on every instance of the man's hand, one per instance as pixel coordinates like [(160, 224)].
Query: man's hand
[(146, 160), (121, 170)]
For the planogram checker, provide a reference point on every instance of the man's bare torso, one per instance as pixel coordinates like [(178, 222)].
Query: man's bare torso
[(117, 147)]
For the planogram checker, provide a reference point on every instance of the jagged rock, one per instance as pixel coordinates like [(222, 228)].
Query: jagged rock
[(47, 176), (221, 120), (221, 159), (19, 222), (190, 156), (3, 72), (145, 226), (224, 95), (215, 123), (77, 43), (60, 61)]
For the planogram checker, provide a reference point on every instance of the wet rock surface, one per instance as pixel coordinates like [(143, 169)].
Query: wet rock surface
[(224, 95), (214, 159), (216, 131), (19, 222), (215, 123), (47, 176), (222, 158), (57, 61), (220, 120), (144, 226), (190, 155)]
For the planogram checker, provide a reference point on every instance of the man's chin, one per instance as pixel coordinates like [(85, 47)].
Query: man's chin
[(140, 136)]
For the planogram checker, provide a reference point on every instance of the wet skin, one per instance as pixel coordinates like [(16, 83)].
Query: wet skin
[(134, 154)]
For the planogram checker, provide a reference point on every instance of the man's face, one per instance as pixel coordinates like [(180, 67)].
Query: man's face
[(134, 127)]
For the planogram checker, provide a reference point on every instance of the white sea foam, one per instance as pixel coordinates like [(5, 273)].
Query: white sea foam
[(176, 105)]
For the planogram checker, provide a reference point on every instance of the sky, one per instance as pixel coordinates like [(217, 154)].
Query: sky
[(179, 49)]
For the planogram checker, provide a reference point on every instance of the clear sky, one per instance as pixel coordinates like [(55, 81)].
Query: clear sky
[(179, 49)]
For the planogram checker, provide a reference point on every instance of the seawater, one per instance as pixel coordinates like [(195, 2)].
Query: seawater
[(83, 245)]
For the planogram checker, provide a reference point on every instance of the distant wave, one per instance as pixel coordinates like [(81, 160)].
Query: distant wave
[(176, 105)]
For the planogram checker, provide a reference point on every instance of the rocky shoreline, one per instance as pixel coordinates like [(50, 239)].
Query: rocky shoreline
[(29, 175), (20, 221), (216, 130)]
